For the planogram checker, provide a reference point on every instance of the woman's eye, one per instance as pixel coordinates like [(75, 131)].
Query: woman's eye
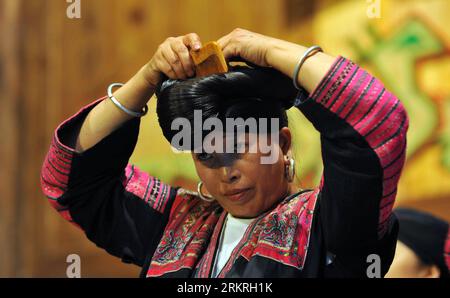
[(204, 156)]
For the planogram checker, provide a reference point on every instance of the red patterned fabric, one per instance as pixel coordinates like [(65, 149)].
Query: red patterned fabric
[(146, 187), (377, 115), (55, 176), (447, 250), (57, 167), (186, 235), (281, 234)]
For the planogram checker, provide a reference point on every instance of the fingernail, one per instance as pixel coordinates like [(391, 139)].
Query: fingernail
[(197, 46)]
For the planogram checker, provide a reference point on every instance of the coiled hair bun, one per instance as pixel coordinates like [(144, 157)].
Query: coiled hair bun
[(242, 92)]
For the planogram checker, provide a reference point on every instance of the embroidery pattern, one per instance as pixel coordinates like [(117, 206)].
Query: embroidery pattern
[(150, 189), (190, 239), (186, 236), (281, 235)]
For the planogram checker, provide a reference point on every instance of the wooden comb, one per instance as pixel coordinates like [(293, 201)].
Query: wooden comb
[(209, 60)]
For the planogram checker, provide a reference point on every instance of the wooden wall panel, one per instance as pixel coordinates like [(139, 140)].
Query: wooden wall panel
[(9, 89)]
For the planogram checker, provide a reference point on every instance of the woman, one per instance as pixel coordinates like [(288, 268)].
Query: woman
[(248, 219), (423, 246)]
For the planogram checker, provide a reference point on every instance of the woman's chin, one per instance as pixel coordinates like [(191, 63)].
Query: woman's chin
[(246, 212)]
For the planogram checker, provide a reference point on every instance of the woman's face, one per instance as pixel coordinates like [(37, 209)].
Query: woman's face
[(241, 183)]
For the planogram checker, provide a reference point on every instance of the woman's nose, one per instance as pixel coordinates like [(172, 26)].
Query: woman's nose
[(229, 175)]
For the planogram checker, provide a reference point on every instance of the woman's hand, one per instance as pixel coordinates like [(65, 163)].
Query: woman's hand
[(246, 45), (280, 54), (172, 59)]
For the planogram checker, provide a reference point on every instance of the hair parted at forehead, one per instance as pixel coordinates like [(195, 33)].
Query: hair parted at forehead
[(243, 92)]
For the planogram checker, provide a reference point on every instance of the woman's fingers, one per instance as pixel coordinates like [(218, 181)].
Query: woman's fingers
[(223, 41), (183, 55), (163, 66), (230, 51), (173, 60), (229, 45), (245, 45)]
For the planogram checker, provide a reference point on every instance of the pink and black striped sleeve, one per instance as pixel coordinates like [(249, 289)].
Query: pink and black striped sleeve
[(120, 208), (363, 137)]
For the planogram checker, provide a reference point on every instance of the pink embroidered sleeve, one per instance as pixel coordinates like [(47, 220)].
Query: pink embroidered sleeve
[(118, 206), (363, 134)]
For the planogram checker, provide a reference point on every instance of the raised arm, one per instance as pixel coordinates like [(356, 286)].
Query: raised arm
[(86, 176), (171, 58), (363, 126), (363, 136)]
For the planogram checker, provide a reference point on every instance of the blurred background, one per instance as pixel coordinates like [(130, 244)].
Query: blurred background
[(52, 65)]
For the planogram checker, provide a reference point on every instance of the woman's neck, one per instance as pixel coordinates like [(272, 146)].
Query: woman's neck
[(292, 189)]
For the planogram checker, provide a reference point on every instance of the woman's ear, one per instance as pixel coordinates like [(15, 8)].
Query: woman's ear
[(285, 140)]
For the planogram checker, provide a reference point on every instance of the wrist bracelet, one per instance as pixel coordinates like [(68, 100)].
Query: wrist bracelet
[(309, 52), (120, 106)]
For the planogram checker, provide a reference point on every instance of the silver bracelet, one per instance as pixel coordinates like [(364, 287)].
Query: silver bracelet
[(311, 51), (120, 106)]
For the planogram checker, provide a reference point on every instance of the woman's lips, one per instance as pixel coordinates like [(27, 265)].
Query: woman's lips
[(237, 194)]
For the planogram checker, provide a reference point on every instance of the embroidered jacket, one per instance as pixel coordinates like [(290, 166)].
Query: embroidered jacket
[(326, 232)]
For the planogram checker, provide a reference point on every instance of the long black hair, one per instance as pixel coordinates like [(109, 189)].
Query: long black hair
[(243, 92)]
